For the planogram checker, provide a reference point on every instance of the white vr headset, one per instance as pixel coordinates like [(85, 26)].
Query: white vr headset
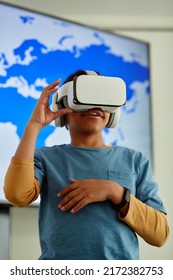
[(91, 91)]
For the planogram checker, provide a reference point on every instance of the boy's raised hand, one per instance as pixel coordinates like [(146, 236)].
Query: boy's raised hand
[(42, 114)]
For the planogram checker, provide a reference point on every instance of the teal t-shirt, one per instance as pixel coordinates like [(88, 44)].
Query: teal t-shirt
[(94, 232)]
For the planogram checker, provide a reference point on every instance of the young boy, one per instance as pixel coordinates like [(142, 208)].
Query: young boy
[(94, 199)]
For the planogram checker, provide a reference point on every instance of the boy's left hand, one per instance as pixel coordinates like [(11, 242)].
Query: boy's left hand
[(80, 193)]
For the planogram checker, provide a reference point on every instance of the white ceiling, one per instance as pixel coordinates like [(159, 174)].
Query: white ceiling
[(107, 14), (101, 7)]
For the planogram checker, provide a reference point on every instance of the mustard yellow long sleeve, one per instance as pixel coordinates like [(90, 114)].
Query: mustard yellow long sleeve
[(148, 223), (20, 186)]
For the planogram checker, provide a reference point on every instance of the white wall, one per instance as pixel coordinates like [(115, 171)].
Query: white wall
[(24, 230)]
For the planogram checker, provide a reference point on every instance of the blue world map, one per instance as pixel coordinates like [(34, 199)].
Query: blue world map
[(20, 108)]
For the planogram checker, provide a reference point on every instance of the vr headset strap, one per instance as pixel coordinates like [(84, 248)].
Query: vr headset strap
[(93, 73), (63, 91)]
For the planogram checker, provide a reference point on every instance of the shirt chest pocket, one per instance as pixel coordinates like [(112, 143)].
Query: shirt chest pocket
[(101, 174), (124, 179)]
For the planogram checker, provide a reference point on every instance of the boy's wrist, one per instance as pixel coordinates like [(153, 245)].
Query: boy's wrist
[(116, 193), (33, 127)]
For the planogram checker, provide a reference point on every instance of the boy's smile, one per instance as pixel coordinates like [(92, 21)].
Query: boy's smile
[(93, 114)]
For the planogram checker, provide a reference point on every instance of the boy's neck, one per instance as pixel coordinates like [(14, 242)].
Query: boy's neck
[(88, 142)]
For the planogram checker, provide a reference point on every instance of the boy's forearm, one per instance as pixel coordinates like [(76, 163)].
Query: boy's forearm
[(26, 146), (20, 186)]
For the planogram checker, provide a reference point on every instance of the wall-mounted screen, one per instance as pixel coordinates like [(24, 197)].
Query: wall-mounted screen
[(36, 49)]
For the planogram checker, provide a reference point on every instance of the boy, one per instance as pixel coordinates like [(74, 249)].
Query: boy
[(94, 198)]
